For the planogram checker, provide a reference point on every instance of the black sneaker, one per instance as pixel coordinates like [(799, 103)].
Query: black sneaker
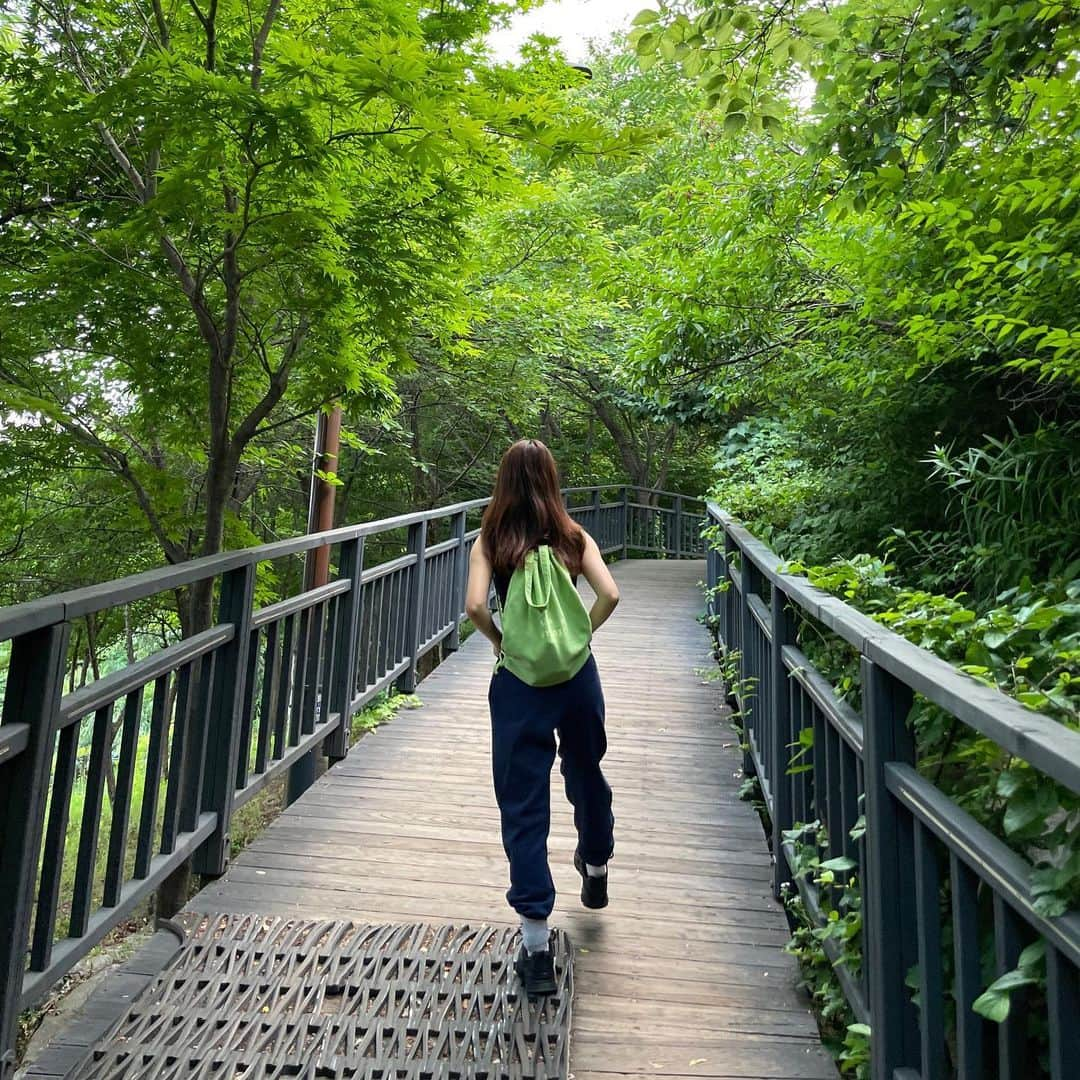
[(593, 889), (536, 972)]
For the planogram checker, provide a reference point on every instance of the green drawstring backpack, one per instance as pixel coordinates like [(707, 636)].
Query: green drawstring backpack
[(546, 630)]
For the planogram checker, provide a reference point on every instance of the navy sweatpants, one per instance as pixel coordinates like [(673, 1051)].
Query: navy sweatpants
[(524, 720)]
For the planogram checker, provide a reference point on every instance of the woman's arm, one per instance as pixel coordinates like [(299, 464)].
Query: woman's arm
[(603, 584), (476, 595)]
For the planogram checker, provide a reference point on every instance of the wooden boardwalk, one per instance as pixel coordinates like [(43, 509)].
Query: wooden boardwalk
[(684, 974)]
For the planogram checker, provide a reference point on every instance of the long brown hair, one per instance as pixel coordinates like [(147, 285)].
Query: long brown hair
[(527, 509)]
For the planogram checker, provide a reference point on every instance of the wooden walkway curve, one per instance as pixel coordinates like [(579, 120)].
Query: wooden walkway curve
[(684, 974)]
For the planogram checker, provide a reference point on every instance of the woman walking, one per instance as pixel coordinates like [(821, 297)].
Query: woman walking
[(545, 682)]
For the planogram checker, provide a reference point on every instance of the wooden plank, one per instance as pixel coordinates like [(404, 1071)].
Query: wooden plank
[(371, 900), (690, 1020), (431, 838), (395, 786), (692, 835), (616, 1050), (730, 987), (748, 899), (634, 856)]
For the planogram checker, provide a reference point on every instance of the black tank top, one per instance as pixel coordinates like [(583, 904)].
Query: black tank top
[(502, 586)]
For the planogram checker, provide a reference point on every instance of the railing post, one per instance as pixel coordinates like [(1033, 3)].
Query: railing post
[(719, 597), (346, 644), (35, 687), (718, 577), (223, 736), (711, 581), (595, 529), (783, 633), (751, 676), (303, 772), (678, 527), (889, 894), (457, 591), (625, 522), (731, 595), (417, 546)]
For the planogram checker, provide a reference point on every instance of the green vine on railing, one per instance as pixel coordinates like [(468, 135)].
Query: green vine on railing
[(1027, 646), (840, 899), (1036, 817)]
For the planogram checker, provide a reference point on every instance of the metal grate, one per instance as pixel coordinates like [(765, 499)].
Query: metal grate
[(257, 997)]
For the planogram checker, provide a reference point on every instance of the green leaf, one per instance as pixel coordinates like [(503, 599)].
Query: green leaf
[(1029, 808), (819, 24), (1010, 781), (646, 43), (734, 122), (1033, 954), (841, 864), (992, 1005), (1012, 980)]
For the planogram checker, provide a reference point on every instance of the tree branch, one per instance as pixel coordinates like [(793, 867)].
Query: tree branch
[(164, 36), (193, 291), (43, 206), (258, 46), (17, 543), (295, 417), (279, 382), (209, 25), (118, 463)]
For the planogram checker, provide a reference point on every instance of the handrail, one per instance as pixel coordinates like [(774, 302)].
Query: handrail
[(22, 618), (919, 846), (77, 602), (1044, 743), (206, 722), (661, 492)]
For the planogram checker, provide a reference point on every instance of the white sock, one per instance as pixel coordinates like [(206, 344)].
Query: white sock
[(595, 871), (534, 932)]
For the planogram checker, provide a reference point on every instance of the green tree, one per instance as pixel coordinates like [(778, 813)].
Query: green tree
[(216, 220)]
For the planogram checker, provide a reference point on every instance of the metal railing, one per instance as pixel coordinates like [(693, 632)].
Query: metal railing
[(932, 877), (184, 736)]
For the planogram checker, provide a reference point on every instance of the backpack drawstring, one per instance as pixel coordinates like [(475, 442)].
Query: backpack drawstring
[(538, 580)]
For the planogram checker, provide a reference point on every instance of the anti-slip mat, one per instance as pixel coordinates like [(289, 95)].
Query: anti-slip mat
[(248, 997)]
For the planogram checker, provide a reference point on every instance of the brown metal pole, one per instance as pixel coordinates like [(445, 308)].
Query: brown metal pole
[(317, 567), (321, 507)]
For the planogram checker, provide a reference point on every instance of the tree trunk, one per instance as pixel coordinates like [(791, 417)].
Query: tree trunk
[(129, 635), (416, 448), (174, 891), (220, 475), (76, 645), (665, 464), (91, 647)]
